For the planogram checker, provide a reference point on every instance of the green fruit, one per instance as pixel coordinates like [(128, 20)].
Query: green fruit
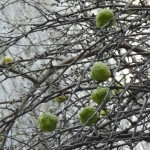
[(100, 72), (105, 16), (99, 94), (103, 113), (117, 91), (7, 59), (107, 110), (60, 99), (85, 113), (1, 138), (47, 122)]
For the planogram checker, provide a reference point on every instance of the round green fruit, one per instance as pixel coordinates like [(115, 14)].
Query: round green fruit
[(105, 16), (7, 59), (85, 113), (60, 99), (103, 113), (99, 94), (100, 72), (47, 122)]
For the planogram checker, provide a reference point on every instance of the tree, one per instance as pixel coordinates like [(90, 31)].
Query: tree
[(54, 44)]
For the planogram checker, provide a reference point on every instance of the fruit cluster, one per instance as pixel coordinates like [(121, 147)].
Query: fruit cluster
[(88, 115), (99, 72)]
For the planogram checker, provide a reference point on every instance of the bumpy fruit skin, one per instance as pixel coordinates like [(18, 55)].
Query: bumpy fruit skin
[(7, 59), (47, 122), (99, 94), (85, 113), (60, 99), (103, 17), (100, 72)]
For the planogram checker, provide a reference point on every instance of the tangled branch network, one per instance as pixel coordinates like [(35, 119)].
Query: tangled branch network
[(47, 52)]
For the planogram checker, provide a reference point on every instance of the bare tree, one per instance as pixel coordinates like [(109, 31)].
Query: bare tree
[(54, 45)]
